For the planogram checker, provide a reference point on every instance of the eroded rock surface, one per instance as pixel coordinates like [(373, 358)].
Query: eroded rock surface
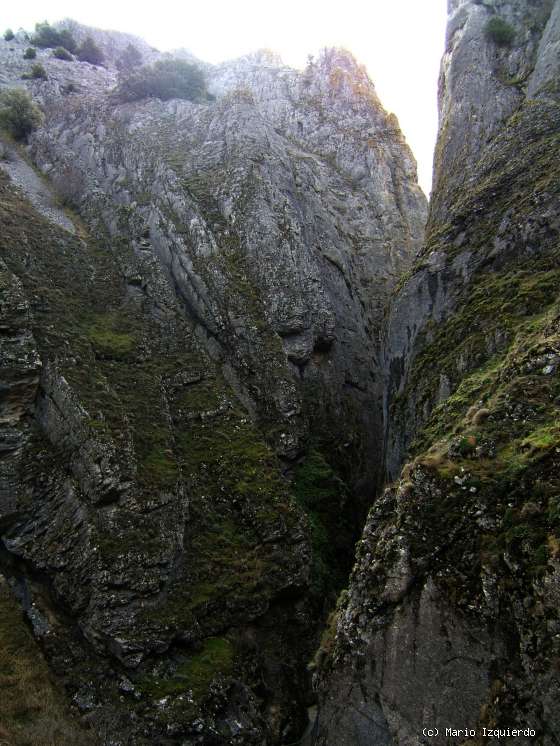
[(451, 617), (198, 425)]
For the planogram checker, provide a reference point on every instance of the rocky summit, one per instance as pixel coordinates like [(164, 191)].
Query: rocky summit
[(279, 446)]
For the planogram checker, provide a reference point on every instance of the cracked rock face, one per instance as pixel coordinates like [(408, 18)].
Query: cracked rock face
[(21, 370), (194, 390), (450, 616), (303, 176)]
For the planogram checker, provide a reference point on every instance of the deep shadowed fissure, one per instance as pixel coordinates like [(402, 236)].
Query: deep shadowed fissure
[(360, 498)]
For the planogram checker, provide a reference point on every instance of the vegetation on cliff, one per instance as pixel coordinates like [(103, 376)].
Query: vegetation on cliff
[(46, 36), (499, 31), (88, 51), (165, 79), (19, 116)]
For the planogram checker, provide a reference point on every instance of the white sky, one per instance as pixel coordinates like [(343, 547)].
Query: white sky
[(399, 41)]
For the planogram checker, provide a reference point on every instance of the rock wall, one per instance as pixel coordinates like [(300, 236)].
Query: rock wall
[(197, 293), (451, 617)]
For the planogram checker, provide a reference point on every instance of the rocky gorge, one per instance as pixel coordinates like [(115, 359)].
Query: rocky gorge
[(276, 439)]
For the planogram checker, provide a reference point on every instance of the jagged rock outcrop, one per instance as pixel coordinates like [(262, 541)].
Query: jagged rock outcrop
[(451, 616), (201, 392)]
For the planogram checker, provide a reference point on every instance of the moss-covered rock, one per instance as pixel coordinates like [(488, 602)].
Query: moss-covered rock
[(452, 608), (142, 416)]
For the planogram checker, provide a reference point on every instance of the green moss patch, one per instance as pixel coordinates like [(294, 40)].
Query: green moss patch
[(503, 464), (322, 494), (109, 339), (196, 673)]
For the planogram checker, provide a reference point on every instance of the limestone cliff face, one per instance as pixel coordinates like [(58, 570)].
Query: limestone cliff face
[(451, 615), (192, 401), (486, 163), (301, 179)]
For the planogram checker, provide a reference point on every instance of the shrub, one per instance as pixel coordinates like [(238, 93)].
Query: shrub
[(37, 72), (165, 79), (47, 36), (18, 114), (30, 53), (499, 31), (62, 54), (129, 59), (69, 184), (90, 52), (8, 34)]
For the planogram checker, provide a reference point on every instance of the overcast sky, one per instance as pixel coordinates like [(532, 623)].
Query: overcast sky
[(399, 41)]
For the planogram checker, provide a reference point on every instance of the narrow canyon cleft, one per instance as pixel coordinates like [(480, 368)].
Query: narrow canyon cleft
[(238, 353), (449, 629), (193, 299)]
